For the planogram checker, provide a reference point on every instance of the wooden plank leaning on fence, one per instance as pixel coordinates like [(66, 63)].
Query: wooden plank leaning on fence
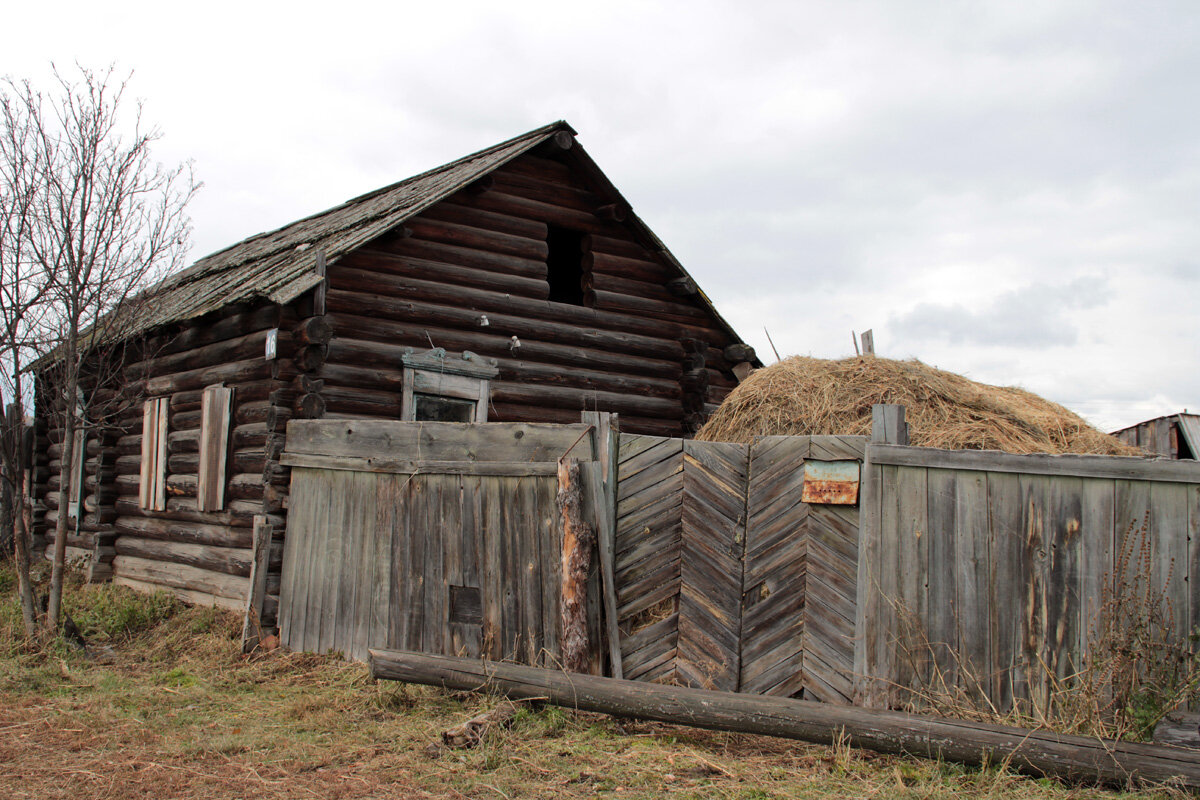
[(1074, 758)]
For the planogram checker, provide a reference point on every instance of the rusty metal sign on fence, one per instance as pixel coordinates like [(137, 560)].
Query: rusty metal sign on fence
[(832, 483)]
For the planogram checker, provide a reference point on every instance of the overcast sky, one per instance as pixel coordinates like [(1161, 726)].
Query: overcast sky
[(1008, 190)]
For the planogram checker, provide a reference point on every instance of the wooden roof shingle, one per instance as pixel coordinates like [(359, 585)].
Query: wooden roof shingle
[(280, 265)]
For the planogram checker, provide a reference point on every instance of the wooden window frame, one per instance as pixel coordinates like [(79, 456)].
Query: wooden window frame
[(465, 377)]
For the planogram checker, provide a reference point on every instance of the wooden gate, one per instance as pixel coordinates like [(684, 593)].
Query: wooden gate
[(436, 537), (725, 578)]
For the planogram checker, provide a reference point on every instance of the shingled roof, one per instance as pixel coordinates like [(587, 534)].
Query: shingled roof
[(281, 265)]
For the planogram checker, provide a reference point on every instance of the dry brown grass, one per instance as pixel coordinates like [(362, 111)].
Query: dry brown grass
[(174, 710), (813, 396)]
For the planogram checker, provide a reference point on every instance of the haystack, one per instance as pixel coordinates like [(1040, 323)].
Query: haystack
[(811, 396)]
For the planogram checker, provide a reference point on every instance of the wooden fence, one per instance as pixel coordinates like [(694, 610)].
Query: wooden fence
[(718, 556), (987, 573), (977, 572), (436, 537)]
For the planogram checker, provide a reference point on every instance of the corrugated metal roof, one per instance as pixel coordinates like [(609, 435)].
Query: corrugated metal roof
[(281, 265)]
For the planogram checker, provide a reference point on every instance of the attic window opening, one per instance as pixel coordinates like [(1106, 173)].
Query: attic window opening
[(564, 265)]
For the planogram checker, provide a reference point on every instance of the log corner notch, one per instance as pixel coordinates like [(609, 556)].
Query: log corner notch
[(1035, 752), (579, 539)]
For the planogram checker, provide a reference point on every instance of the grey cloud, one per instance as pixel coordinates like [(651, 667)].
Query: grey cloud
[(1032, 316)]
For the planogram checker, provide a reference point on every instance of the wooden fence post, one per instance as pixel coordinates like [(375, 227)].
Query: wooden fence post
[(874, 618), (252, 632), (606, 440)]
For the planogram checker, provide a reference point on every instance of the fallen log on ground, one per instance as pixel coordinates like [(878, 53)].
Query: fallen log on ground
[(1042, 753)]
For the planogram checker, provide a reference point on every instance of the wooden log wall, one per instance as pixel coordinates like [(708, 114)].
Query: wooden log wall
[(470, 273), (202, 556)]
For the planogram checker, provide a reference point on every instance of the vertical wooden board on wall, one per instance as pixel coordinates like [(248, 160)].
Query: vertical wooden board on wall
[(944, 606), (318, 533), (368, 557), (1064, 525), (550, 575), (341, 484), (971, 566), (1097, 553), (1007, 576), (885, 592), (529, 585), (867, 656), (912, 510), (510, 565), (491, 568), (1169, 522), (1133, 522), (292, 585), (418, 522), (390, 512), (471, 634), (830, 594), (443, 521), (1037, 535)]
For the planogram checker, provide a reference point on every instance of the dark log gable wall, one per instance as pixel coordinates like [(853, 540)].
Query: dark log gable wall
[(470, 274)]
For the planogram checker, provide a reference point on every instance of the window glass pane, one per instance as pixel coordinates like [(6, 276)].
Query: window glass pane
[(431, 408)]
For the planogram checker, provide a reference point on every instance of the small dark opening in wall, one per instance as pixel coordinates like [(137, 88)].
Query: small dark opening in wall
[(564, 265)]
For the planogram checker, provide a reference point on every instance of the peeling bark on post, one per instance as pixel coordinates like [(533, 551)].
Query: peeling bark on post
[(578, 542)]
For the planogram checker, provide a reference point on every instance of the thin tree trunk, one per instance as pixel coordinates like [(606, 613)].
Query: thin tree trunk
[(22, 526), (66, 482)]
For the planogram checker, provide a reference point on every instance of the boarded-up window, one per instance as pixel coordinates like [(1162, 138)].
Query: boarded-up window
[(215, 411), (153, 490)]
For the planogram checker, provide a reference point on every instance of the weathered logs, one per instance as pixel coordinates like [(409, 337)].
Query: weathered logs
[(1033, 751)]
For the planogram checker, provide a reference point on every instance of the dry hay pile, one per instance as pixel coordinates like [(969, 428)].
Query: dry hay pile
[(813, 396)]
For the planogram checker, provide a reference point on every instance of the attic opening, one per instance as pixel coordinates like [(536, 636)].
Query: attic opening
[(564, 265)]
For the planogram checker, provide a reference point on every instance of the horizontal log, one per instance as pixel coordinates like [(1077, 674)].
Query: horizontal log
[(191, 596), (237, 513), (247, 346), (82, 541), (507, 316), (548, 169), (362, 401), (470, 257), (227, 560), (738, 352), (355, 346), (409, 266), (184, 531), (181, 576), (612, 283), (197, 333), (1037, 752), (245, 487), (250, 370), (556, 193), (515, 205), (658, 309), (478, 239), (619, 244), (451, 211), (638, 269), (579, 399)]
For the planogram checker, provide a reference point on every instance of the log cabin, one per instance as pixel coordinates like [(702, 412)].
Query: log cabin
[(515, 284)]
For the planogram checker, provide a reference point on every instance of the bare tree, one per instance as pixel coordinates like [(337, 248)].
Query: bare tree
[(106, 220), (22, 294)]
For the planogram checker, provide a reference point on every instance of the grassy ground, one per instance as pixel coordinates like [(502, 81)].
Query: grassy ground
[(166, 706)]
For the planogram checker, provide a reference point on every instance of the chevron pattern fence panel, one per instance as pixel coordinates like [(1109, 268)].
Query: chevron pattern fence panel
[(725, 579)]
